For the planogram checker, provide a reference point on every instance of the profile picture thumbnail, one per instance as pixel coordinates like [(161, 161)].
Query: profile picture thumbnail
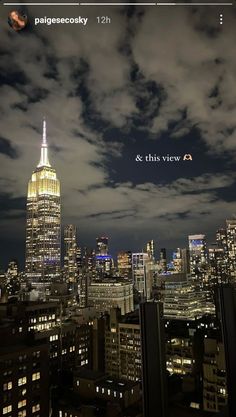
[(17, 20)]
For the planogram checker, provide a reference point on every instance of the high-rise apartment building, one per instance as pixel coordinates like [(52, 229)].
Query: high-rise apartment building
[(123, 346), (43, 247), (214, 376)]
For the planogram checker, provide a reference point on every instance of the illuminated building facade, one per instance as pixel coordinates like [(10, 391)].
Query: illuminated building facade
[(43, 248), (198, 260), (124, 264), (139, 271), (102, 245), (218, 265), (108, 293), (150, 249), (214, 376), (70, 257), (183, 302), (163, 260), (123, 346), (231, 246)]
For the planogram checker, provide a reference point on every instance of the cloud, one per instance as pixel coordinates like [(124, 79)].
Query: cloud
[(195, 69)]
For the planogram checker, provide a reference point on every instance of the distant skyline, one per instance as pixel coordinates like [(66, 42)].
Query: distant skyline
[(153, 81)]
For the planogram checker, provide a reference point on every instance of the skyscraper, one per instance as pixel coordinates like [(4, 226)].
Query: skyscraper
[(124, 263), (231, 248), (198, 258), (43, 247), (102, 245), (70, 256), (154, 377)]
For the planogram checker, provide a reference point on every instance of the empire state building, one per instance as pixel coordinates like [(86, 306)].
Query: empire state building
[(43, 246)]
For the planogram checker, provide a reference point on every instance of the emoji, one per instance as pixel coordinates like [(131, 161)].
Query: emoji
[(187, 157)]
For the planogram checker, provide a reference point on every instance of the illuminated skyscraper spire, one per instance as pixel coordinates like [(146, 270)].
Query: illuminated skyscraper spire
[(44, 161), (43, 241)]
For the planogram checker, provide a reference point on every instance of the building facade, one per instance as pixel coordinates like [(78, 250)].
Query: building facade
[(108, 293), (70, 253), (43, 247)]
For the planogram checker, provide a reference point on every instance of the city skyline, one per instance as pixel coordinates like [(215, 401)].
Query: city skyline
[(99, 120)]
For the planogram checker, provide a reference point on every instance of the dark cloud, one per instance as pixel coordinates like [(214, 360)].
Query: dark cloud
[(8, 149)]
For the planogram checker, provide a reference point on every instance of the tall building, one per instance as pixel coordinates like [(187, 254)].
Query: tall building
[(108, 293), (182, 301), (227, 308), (123, 346), (154, 377), (150, 249), (70, 253), (198, 259), (214, 376), (43, 247), (231, 248), (163, 260), (218, 265), (124, 264), (141, 279), (102, 245)]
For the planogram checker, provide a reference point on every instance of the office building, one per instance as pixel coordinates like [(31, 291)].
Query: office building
[(102, 245), (142, 277), (150, 249), (70, 253), (108, 293), (163, 260), (198, 261), (43, 247), (231, 248), (124, 264), (182, 300)]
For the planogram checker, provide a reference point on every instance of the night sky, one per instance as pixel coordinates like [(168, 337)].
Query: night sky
[(155, 81)]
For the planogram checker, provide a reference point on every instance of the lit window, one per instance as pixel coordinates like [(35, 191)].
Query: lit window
[(97, 389), (22, 413), (77, 382), (21, 403), (109, 392), (35, 376), (7, 409), (22, 381), (35, 408), (53, 337), (121, 395), (7, 386)]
